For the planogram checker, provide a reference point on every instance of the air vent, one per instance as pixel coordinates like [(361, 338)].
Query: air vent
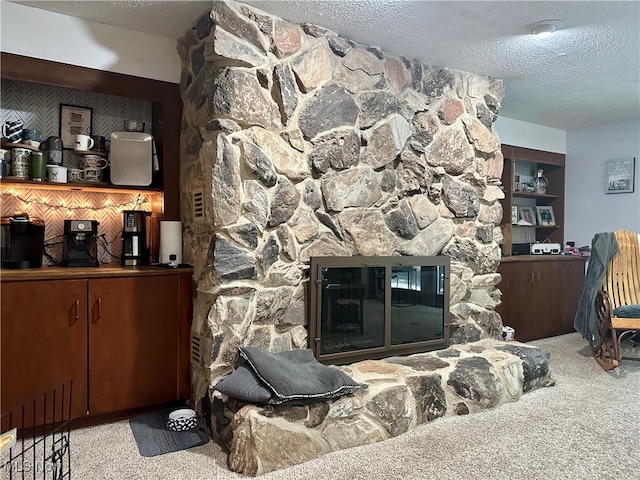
[(195, 350), (197, 205)]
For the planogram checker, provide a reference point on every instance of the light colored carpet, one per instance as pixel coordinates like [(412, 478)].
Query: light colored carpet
[(584, 427)]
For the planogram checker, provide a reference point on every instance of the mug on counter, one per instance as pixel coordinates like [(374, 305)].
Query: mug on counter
[(20, 162), (75, 175), (82, 143), (94, 161), (92, 174), (12, 131), (99, 143), (57, 173)]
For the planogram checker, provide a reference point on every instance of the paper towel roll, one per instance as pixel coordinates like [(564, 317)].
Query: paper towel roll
[(170, 241)]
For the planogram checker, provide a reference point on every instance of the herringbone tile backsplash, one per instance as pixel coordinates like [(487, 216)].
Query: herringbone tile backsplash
[(39, 107)]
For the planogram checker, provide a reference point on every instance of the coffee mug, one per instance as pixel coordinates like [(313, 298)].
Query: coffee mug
[(5, 157), (99, 143), (57, 173), (82, 143), (12, 131), (20, 162), (75, 174), (31, 137), (94, 161), (92, 174), (38, 166), (133, 126)]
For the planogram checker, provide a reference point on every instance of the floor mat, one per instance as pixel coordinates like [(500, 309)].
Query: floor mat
[(154, 438)]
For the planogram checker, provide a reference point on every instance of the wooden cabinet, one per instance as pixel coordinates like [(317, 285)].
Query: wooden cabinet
[(520, 166), (123, 337), (540, 295)]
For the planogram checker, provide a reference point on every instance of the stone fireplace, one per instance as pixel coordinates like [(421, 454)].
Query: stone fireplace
[(297, 142)]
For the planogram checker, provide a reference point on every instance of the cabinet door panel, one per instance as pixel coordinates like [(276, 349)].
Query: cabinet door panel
[(517, 288), (44, 341), (133, 342)]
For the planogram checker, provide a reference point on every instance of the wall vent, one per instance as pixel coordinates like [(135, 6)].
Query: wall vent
[(195, 350), (197, 205)]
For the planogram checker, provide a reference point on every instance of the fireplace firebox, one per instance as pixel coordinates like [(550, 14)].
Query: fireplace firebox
[(375, 307)]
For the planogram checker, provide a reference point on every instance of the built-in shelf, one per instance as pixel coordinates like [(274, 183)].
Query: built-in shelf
[(520, 193), (77, 186)]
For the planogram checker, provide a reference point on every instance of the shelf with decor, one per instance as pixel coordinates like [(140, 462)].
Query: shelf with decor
[(522, 166), (101, 187)]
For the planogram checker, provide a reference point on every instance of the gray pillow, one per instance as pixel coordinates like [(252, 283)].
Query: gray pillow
[(628, 311), (243, 385)]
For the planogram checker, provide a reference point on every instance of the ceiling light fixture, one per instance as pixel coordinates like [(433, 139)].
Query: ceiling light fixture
[(545, 28)]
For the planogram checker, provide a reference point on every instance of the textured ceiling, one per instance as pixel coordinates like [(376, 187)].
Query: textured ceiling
[(586, 74)]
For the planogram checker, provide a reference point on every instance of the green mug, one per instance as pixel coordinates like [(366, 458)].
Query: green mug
[(37, 167)]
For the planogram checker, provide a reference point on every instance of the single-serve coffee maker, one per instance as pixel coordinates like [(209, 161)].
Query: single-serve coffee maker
[(21, 241), (135, 247), (80, 245)]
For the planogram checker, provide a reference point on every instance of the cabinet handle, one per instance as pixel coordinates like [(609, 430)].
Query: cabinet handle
[(538, 277), (77, 311), (532, 278), (99, 308)]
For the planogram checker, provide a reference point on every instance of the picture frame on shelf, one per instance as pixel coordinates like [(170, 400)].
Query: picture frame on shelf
[(621, 175), (545, 215), (514, 214), (527, 215), (74, 120)]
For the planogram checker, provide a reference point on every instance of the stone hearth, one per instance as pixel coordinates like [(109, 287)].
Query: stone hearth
[(297, 142)]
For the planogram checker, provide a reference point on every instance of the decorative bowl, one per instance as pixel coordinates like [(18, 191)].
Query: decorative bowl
[(182, 419)]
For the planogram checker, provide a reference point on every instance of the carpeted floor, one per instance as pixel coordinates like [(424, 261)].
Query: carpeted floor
[(585, 427)]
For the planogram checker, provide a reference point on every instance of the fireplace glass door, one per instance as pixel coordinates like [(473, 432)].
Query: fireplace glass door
[(371, 307)]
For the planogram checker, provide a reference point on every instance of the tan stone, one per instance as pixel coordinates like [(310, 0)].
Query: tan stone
[(287, 38), (451, 111)]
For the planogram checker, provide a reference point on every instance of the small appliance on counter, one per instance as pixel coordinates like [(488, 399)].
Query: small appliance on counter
[(135, 249), (545, 248), (132, 158), (21, 241), (80, 245)]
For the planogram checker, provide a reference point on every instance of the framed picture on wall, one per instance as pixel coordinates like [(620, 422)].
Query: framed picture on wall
[(74, 120), (621, 175), (546, 218), (528, 215)]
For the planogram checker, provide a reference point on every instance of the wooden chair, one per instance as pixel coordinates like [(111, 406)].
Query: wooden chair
[(621, 287)]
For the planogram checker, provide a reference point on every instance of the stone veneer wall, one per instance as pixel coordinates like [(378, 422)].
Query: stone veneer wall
[(304, 143)]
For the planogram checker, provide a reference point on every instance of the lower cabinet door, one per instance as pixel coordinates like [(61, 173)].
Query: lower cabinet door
[(133, 342), (43, 345)]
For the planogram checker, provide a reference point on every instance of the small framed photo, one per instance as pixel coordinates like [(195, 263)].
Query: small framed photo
[(514, 214), (74, 120), (546, 218), (527, 214), (621, 175)]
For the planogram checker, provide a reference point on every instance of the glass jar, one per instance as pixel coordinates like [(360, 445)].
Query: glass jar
[(540, 182)]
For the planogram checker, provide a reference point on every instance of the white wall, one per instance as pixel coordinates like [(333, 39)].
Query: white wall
[(588, 209), (61, 38), (530, 135)]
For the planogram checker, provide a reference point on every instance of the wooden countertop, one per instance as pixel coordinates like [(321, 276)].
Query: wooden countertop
[(68, 273), (540, 258)]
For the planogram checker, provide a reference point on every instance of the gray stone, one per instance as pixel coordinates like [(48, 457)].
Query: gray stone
[(484, 115), (227, 48), (325, 245), (426, 126), (304, 225), (203, 25), (360, 70), (450, 149), (420, 363), (401, 221), (429, 397), (256, 206), (339, 149), (311, 195), (493, 103), (285, 201), (466, 333), (328, 222), (271, 303), (396, 74), (294, 313), (314, 30), (285, 84), (535, 365), (264, 22), (197, 59), (287, 242), (258, 163), (473, 379), (448, 353), (227, 17), (239, 94), (430, 240), (376, 106), (386, 140), (339, 46), (479, 135), (368, 231), (231, 262), (436, 81), (387, 179), (413, 173), (484, 233), (460, 198), (389, 407), (246, 234), (314, 66), (226, 182), (356, 187), (286, 160), (351, 432), (424, 210), (270, 253), (317, 413), (329, 107)]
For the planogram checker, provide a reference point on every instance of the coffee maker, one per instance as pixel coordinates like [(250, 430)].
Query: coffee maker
[(21, 241), (80, 245), (135, 249)]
